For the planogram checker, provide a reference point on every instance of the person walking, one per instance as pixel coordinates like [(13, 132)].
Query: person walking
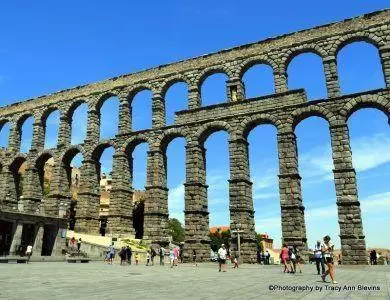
[(122, 255), (267, 257), (222, 253), (129, 253), (327, 249), (171, 257), (295, 259), (28, 252), (111, 252), (235, 261), (152, 255), (136, 258), (162, 255), (319, 259), (78, 245), (194, 257), (147, 258), (73, 243), (284, 258), (374, 256), (176, 255)]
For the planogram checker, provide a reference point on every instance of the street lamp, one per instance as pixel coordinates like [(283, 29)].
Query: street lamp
[(238, 231)]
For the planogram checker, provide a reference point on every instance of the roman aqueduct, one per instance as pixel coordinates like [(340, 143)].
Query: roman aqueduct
[(238, 116)]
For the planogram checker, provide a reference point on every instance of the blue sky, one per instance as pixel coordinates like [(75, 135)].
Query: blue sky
[(50, 46)]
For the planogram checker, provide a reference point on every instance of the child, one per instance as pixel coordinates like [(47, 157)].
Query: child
[(136, 258)]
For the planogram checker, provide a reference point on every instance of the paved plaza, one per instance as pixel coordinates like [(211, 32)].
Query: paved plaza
[(96, 280)]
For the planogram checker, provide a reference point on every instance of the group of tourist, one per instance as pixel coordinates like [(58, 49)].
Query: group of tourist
[(263, 258), (323, 254), (75, 244), (373, 257), (290, 259)]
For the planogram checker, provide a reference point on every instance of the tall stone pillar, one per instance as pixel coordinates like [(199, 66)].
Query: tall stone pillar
[(353, 245), (93, 127), (59, 194), (10, 194), (280, 77), (88, 202), (293, 219), (38, 139), (194, 97), (16, 238), (331, 76), (241, 203), (64, 132), (60, 240), (38, 241), (384, 53), (235, 89), (124, 115), (196, 206), (156, 201), (32, 190), (120, 216), (158, 111), (14, 138)]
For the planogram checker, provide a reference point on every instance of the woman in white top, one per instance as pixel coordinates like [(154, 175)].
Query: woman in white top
[(327, 250)]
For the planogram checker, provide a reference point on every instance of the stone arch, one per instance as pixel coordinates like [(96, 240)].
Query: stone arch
[(301, 114), (211, 71), (14, 168), (129, 146), (168, 136), (378, 102), (207, 129), (68, 154), (292, 53), (249, 123), (343, 41), (103, 98), (98, 149), (47, 113), (252, 61), (4, 122), (23, 118), (75, 104), (41, 160), (44, 154), (169, 82), (139, 88)]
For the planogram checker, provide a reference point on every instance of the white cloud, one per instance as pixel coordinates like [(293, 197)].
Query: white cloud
[(316, 165), (176, 196), (265, 196), (370, 152)]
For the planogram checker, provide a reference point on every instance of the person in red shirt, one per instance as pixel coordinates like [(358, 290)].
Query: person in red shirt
[(284, 258)]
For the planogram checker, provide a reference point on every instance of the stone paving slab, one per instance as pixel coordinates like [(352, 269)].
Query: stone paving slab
[(100, 281)]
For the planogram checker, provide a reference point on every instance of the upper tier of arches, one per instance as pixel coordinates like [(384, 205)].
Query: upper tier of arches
[(233, 66)]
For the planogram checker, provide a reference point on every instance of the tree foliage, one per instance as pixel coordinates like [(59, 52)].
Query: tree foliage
[(218, 238), (259, 242), (176, 230)]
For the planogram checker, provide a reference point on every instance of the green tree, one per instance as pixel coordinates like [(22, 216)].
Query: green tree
[(218, 238), (259, 242), (176, 230)]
